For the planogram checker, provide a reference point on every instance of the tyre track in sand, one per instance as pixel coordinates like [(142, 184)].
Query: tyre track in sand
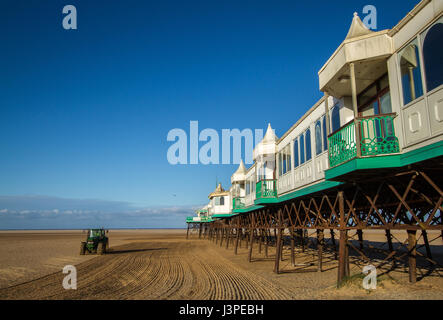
[(177, 269)]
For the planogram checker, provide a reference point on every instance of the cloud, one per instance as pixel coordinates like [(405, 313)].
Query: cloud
[(46, 212)]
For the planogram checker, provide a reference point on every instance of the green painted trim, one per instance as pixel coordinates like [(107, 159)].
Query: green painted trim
[(424, 153), (389, 161), (265, 201), (224, 215), (311, 189), (247, 209)]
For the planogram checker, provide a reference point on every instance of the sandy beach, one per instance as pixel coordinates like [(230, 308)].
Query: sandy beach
[(162, 264)]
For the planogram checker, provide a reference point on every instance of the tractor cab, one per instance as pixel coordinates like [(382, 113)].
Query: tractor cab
[(96, 242)]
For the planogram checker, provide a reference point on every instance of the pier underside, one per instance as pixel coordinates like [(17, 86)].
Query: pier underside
[(407, 199)]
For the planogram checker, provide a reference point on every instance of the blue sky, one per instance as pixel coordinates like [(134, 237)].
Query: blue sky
[(84, 114)]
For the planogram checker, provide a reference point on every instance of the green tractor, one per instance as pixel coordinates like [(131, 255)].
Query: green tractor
[(96, 242)]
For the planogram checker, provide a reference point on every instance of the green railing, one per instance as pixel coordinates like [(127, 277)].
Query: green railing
[(202, 219), (238, 203), (266, 189), (376, 136)]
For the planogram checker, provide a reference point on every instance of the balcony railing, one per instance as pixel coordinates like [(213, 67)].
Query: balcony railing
[(238, 203), (375, 136), (266, 189), (202, 219)]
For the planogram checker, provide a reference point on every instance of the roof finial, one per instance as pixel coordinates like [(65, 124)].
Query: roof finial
[(355, 14)]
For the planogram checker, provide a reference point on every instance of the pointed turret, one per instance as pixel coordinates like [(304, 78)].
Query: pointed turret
[(357, 28), (268, 144), (240, 174), (219, 191)]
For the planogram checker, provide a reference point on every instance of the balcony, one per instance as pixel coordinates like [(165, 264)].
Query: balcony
[(238, 203), (198, 219), (375, 136), (266, 189)]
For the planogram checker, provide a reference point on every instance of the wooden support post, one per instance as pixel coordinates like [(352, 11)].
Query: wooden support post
[(302, 239), (199, 230), (217, 235), (360, 238), (282, 244), (260, 242), (187, 232), (241, 237), (251, 239), (222, 235), (412, 252), (278, 246), (228, 236), (320, 239), (237, 239), (292, 247), (390, 246), (343, 240), (424, 233), (247, 236), (266, 243), (334, 245)]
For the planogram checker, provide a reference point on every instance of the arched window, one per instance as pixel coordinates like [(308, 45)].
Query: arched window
[(318, 138), (308, 144), (296, 163), (433, 55), (410, 72), (288, 156), (335, 118), (325, 135), (302, 149)]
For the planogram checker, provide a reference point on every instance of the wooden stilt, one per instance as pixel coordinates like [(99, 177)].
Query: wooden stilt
[(237, 240), (334, 245), (292, 247), (266, 243), (320, 238), (412, 252), (302, 240), (278, 245), (260, 241), (251, 235), (282, 244), (426, 241), (390, 246), (187, 232), (200, 226), (360, 238), (277, 253), (343, 240), (228, 236)]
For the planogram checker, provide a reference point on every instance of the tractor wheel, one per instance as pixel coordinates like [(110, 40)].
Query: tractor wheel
[(82, 248), (101, 248)]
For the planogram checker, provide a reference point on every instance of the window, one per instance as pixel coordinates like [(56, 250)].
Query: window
[(288, 156), (433, 55), (248, 187), (325, 136), (411, 72), (335, 118), (280, 164), (318, 138), (296, 163), (285, 160), (302, 149), (308, 144), (285, 168), (222, 201)]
